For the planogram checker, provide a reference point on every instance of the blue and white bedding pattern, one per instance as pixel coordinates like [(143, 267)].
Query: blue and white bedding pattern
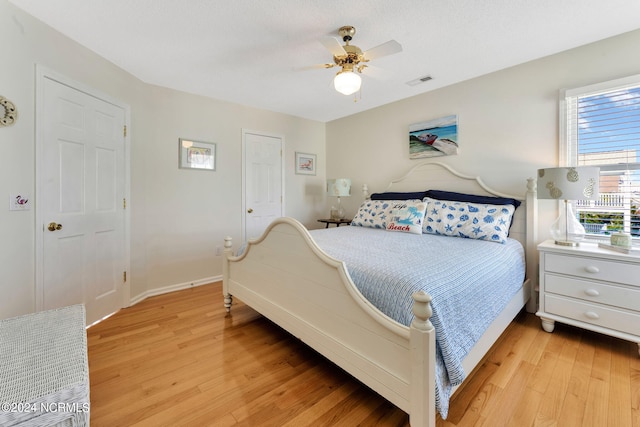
[(470, 281)]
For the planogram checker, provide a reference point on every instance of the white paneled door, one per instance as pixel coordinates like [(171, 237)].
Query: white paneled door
[(263, 195), (82, 189)]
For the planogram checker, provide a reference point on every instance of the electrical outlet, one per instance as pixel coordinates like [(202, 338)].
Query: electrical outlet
[(218, 250)]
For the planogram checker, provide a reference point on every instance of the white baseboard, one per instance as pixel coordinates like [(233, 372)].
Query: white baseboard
[(173, 288)]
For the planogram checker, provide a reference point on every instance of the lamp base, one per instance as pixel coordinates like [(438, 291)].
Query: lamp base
[(566, 243), (567, 230), (337, 213)]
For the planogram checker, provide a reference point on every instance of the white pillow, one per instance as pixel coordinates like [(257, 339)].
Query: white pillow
[(468, 220), (373, 214), (407, 216)]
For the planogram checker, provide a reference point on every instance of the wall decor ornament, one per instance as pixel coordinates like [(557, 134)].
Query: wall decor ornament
[(10, 113), (437, 137), (305, 164), (197, 154)]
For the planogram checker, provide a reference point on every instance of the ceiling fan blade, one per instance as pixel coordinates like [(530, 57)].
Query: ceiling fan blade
[(376, 73), (333, 45), (314, 67), (384, 49)]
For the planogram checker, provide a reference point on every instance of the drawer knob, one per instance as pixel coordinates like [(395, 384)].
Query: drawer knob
[(592, 292), (592, 315), (592, 269)]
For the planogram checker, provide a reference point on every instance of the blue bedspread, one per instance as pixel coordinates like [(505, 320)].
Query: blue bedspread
[(470, 281)]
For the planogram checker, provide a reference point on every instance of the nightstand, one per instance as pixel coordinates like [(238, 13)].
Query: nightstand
[(590, 287), (337, 222)]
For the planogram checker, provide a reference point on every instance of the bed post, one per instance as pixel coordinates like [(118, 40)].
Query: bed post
[(228, 251), (531, 251), (365, 192), (422, 350)]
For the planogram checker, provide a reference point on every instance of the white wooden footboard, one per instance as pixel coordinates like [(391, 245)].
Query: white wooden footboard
[(287, 278)]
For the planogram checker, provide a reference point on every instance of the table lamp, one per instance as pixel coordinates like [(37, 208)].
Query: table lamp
[(339, 187), (568, 183)]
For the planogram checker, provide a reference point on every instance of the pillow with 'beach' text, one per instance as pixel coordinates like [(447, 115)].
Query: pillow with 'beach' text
[(407, 216)]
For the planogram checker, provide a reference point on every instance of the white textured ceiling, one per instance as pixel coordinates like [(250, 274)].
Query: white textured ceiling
[(247, 51)]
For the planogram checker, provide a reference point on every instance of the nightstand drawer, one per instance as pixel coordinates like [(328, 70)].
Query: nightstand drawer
[(592, 291), (591, 268), (593, 314)]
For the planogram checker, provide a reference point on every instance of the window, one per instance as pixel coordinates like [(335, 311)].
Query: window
[(600, 126)]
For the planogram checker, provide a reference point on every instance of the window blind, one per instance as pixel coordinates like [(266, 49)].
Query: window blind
[(602, 128)]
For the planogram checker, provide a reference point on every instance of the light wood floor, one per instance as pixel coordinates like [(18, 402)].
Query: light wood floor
[(178, 359)]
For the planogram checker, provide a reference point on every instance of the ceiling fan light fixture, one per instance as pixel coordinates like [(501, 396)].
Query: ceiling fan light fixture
[(347, 82)]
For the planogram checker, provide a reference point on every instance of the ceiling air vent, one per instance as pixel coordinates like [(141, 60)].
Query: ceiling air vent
[(419, 80)]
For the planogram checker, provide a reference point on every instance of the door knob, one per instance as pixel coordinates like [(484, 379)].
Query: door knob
[(53, 226), (250, 210)]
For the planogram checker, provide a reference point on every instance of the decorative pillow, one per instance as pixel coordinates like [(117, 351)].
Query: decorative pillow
[(407, 216), (394, 195), (472, 198), (468, 220), (373, 214)]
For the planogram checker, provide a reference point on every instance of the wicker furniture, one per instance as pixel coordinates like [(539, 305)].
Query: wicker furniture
[(44, 374)]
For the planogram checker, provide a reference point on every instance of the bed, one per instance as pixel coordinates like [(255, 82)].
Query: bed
[(288, 278)]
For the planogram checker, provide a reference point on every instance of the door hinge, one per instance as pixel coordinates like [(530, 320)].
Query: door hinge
[(124, 131), (124, 203), (124, 276)]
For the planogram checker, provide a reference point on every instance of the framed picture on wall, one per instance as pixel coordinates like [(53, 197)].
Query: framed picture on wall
[(197, 154), (432, 138), (305, 164)]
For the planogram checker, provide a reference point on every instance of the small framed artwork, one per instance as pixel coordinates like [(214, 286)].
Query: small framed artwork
[(305, 164), (197, 154), (437, 137)]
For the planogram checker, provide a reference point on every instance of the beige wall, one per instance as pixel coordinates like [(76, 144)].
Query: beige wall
[(186, 214), (508, 122), (178, 217), (508, 128)]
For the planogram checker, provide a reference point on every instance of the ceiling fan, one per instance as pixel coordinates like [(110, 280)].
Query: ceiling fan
[(351, 59)]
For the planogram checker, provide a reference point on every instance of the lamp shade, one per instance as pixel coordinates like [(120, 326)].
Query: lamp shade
[(347, 82), (340, 187), (569, 183)]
